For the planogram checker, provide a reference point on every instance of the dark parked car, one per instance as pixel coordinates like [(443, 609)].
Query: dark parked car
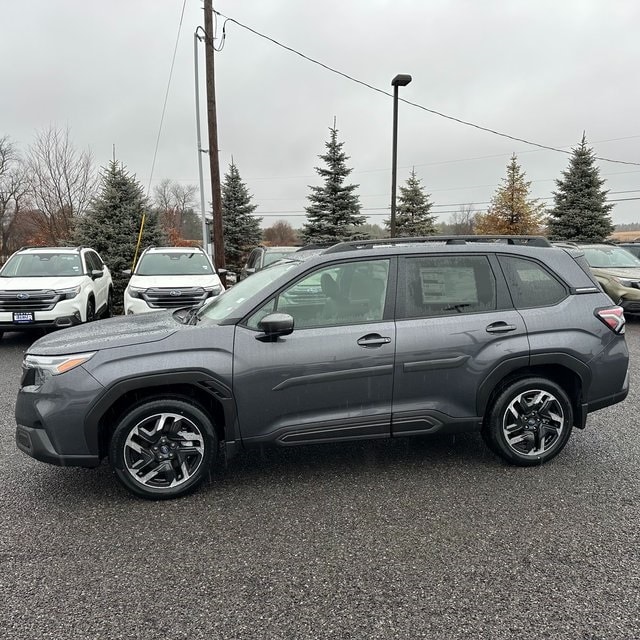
[(262, 257), (377, 339)]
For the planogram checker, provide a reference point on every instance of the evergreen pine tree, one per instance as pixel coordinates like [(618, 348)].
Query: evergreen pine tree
[(580, 210), (112, 224), (333, 214), (512, 211), (241, 229), (413, 214)]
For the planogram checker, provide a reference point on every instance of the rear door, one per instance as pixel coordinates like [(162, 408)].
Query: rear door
[(456, 331), (331, 379)]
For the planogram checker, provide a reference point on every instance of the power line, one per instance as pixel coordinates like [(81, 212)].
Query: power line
[(409, 102), (166, 97)]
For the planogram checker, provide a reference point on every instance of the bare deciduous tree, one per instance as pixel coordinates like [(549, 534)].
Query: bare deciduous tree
[(173, 201), (463, 220), (13, 193), (280, 234), (63, 181)]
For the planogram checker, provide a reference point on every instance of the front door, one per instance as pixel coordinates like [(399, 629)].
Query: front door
[(331, 379)]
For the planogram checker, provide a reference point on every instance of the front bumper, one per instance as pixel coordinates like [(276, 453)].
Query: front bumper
[(36, 443), (61, 322), (51, 419)]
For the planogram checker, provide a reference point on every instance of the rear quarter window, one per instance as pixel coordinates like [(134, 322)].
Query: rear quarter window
[(531, 284)]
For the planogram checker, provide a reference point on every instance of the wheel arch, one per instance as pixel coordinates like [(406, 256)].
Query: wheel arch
[(569, 373), (212, 396)]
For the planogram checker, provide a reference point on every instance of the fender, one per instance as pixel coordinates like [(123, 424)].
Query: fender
[(198, 378)]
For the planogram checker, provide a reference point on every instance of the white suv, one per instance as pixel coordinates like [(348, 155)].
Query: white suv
[(53, 288), (169, 278)]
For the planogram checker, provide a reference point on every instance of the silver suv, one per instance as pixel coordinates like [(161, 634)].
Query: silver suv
[(53, 288), (507, 336)]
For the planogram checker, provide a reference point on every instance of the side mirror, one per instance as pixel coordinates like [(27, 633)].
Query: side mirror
[(222, 272), (275, 325), (126, 272), (249, 270), (96, 273)]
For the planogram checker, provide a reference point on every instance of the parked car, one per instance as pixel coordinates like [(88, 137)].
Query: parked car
[(169, 278), (262, 257), (631, 247), (53, 288), (618, 272), (507, 336)]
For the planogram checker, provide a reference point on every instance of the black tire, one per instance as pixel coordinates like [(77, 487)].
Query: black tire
[(1, 334), (108, 312), (165, 462), (529, 422), (91, 310)]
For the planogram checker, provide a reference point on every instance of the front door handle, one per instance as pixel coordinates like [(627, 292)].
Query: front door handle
[(501, 327), (373, 340)]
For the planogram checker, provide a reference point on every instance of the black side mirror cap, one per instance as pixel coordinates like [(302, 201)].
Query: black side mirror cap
[(275, 325)]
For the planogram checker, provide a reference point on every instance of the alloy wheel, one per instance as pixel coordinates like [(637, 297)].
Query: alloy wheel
[(533, 423), (164, 450)]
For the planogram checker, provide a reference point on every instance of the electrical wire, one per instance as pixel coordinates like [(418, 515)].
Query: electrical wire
[(409, 102)]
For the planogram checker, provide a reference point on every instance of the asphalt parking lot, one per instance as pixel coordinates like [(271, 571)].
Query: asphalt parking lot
[(422, 538)]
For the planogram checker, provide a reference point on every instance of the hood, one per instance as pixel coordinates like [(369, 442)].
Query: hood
[(149, 282), (632, 273), (123, 331), (35, 284)]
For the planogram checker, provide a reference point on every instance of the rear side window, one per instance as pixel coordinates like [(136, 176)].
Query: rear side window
[(530, 284), (447, 285)]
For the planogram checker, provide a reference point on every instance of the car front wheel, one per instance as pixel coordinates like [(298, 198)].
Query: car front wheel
[(163, 449), (529, 422)]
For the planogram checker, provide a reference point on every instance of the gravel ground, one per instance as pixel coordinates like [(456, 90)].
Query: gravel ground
[(422, 538)]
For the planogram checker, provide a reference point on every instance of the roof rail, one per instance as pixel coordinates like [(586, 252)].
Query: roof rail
[(532, 241)]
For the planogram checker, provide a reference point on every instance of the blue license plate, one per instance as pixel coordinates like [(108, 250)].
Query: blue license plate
[(23, 317)]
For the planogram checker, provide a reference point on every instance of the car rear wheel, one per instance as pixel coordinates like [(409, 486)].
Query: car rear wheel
[(529, 422), (163, 449)]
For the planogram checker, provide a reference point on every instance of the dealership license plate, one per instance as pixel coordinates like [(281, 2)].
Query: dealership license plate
[(23, 317)]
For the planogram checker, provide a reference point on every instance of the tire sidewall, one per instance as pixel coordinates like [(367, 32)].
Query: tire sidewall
[(134, 417), (494, 435)]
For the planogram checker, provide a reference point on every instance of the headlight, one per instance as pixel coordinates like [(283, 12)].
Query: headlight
[(68, 294), (134, 292), (43, 367), (213, 291)]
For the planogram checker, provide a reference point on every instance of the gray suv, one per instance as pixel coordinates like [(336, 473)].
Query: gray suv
[(507, 336)]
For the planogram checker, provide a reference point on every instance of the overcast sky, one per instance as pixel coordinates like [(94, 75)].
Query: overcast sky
[(544, 70)]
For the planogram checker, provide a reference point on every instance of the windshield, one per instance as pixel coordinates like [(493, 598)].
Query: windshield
[(42, 265), (610, 258), (174, 264), (225, 305), (273, 256)]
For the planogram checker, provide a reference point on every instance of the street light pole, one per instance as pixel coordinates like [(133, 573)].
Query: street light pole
[(205, 230), (401, 80)]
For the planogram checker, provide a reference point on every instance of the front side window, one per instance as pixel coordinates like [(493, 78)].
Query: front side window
[(193, 263), (530, 284), (43, 265), (349, 293), (447, 285)]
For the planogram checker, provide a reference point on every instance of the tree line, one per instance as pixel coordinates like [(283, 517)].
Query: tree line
[(51, 195)]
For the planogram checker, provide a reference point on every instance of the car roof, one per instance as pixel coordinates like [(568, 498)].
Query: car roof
[(50, 249), (173, 249)]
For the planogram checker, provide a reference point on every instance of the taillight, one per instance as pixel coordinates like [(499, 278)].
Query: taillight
[(613, 317)]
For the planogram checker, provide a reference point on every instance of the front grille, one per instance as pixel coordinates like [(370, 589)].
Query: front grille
[(172, 298), (29, 300)]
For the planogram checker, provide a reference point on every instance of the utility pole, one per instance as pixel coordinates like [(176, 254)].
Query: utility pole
[(214, 164)]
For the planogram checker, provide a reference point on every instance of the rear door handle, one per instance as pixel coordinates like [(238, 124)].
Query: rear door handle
[(501, 327), (373, 340)]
